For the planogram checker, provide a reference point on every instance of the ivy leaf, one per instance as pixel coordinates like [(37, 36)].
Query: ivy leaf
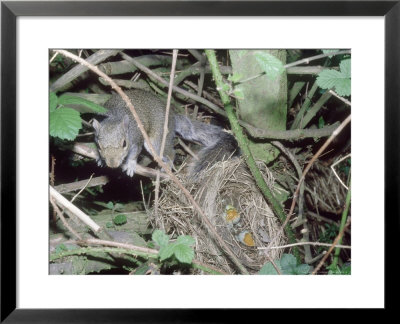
[(160, 238), (67, 99), (184, 253), (65, 123), (270, 64), (53, 101)]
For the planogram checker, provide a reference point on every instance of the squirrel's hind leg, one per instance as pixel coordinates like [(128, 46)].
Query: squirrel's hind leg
[(169, 151)]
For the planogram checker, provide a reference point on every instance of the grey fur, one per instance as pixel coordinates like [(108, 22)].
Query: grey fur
[(120, 141)]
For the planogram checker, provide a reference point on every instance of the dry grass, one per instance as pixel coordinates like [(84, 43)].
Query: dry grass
[(225, 183)]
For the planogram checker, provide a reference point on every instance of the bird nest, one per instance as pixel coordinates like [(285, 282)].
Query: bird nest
[(230, 198)]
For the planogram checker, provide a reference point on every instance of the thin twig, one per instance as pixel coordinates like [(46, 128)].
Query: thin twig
[(303, 243), (157, 186), (74, 210), (296, 165), (68, 187), (340, 98), (83, 188), (64, 221), (334, 171), (204, 218), (274, 265), (308, 167), (302, 61), (331, 248), (139, 249)]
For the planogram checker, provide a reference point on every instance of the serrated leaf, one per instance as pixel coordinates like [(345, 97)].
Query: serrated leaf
[(302, 269), (343, 88), (166, 251), (160, 238), (183, 253), (328, 79), (288, 263), (327, 51), (269, 269), (53, 101), (120, 219), (67, 99), (185, 239), (345, 68), (271, 65), (65, 123)]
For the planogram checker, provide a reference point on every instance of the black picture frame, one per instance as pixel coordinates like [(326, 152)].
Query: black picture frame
[(9, 13)]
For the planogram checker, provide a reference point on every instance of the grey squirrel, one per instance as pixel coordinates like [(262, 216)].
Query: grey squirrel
[(120, 141)]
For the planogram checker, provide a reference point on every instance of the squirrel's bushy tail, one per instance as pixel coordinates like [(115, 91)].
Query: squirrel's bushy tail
[(218, 144)]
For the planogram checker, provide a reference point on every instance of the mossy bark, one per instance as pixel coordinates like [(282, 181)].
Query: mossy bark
[(265, 100)]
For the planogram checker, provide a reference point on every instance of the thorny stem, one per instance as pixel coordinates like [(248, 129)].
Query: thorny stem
[(243, 144)]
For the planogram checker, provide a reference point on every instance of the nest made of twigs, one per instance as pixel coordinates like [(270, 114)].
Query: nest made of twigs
[(227, 183)]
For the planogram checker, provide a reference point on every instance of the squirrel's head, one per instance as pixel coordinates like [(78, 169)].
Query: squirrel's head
[(112, 140)]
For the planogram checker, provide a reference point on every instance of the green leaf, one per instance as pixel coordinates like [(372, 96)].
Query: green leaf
[(302, 269), (160, 238), (288, 263), (120, 219), (345, 68), (269, 269), (185, 239), (53, 101), (271, 65), (345, 270), (328, 79), (65, 123), (327, 51), (166, 251), (67, 99), (183, 253)]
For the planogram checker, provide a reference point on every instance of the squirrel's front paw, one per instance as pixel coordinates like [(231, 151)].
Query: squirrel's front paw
[(130, 167)]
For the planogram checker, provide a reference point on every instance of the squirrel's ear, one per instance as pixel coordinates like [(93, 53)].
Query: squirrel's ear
[(96, 125)]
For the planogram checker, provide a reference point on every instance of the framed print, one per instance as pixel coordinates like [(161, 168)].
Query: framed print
[(221, 145)]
